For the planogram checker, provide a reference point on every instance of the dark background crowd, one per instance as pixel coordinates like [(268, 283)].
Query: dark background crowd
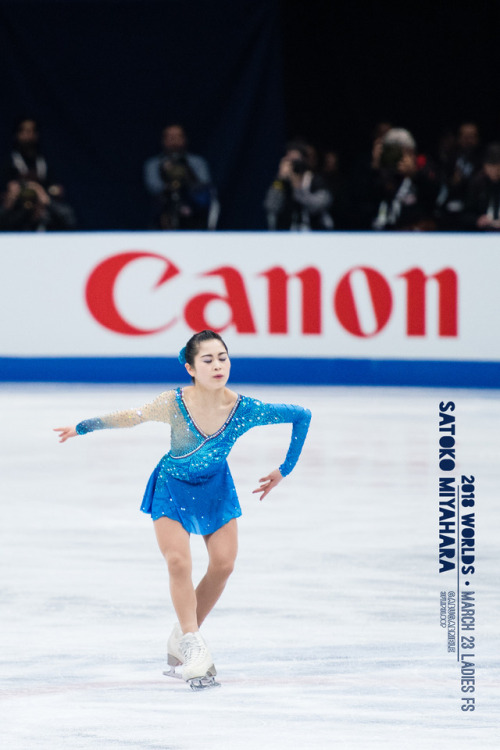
[(249, 114)]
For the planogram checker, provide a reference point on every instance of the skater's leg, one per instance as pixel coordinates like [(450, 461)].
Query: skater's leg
[(222, 548), (173, 541)]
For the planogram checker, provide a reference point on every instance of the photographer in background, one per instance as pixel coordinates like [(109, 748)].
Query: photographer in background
[(26, 162), (402, 188), (28, 207), (31, 201), (181, 186), (482, 204), (459, 162), (298, 199)]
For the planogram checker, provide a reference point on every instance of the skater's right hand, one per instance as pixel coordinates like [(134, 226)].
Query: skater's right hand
[(65, 433)]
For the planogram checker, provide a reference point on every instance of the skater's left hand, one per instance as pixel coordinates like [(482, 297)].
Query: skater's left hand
[(267, 483)]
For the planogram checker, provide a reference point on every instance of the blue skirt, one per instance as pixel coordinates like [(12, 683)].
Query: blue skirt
[(201, 507)]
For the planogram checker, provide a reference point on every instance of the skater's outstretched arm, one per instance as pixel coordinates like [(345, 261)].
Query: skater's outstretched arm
[(159, 410)]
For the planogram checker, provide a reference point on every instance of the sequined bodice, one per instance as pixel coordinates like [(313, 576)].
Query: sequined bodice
[(202, 436), (193, 454)]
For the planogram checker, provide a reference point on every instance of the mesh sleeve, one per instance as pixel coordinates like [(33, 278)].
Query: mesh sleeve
[(159, 410)]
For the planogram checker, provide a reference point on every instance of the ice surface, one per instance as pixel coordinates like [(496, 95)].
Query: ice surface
[(328, 632)]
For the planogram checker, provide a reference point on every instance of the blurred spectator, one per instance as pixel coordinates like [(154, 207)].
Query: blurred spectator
[(25, 160), (458, 163), (312, 155), (353, 208), (330, 174), (298, 199), (31, 201), (28, 207), (379, 132), (181, 185), (400, 191), (482, 206)]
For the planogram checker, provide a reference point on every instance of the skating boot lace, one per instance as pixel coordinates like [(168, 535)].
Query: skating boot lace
[(198, 668), (192, 648)]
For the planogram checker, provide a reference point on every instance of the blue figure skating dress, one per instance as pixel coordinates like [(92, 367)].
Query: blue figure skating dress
[(192, 483)]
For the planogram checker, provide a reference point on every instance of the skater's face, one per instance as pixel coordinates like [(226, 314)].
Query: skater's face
[(211, 365)]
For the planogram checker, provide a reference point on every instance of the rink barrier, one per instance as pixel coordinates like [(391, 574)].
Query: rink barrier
[(261, 370)]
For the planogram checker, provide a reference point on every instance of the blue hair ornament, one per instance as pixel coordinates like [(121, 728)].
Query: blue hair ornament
[(182, 356)]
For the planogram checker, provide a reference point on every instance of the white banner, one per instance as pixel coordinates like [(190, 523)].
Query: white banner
[(332, 295)]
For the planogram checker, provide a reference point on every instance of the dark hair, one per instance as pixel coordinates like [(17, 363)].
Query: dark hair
[(298, 145), (174, 124), (21, 120), (194, 342), (492, 154)]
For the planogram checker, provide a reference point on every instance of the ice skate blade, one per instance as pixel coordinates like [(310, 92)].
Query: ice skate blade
[(203, 683), (172, 673), (173, 661)]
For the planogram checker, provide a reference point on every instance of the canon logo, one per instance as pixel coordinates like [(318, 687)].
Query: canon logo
[(377, 294)]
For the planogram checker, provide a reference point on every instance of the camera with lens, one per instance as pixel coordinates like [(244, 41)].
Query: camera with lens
[(175, 172), (299, 166), (27, 198)]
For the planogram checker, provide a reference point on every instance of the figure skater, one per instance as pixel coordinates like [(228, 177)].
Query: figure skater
[(191, 491)]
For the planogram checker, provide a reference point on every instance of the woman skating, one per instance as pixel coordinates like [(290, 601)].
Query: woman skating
[(192, 491)]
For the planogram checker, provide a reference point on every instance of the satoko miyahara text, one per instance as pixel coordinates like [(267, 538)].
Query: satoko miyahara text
[(457, 552), (457, 523)]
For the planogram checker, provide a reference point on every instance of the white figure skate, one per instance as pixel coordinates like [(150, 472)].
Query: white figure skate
[(198, 666), (174, 653)]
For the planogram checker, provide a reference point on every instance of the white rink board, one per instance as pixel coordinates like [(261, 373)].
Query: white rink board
[(44, 286)]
